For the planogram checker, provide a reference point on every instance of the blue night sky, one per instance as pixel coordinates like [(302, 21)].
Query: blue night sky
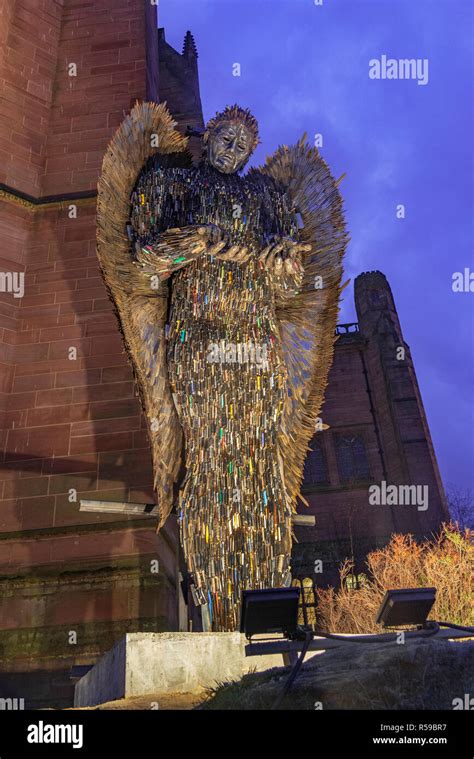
[(304, 68)]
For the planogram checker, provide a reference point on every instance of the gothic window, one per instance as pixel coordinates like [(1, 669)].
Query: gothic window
[(356, 581), (308, 600), (315, 471), (352, 459)]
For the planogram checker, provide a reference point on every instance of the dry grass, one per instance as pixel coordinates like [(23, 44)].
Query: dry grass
[(422, 674), (447, 563)]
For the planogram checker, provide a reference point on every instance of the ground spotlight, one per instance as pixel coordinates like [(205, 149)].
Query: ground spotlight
[(406, 606), (272, 610)]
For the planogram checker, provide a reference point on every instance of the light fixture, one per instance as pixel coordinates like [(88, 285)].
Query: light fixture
[(272, 610), (406, 606)]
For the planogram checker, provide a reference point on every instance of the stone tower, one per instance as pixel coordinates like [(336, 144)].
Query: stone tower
[(179, 86), (409, 454), (377, 433)]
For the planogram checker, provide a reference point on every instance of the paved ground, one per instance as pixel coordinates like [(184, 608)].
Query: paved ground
[(163, 702)]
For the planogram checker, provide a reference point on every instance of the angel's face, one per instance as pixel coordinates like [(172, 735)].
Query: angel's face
[(229, 147)]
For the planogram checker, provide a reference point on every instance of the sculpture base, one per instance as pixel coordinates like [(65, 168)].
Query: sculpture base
[(154, 663)]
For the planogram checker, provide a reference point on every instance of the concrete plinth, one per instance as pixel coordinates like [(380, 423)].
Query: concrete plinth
[(142, 663)]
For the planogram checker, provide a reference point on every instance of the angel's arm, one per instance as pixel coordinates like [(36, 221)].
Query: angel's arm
[(178, 247)]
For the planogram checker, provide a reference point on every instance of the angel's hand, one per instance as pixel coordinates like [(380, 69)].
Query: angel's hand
[(235, 253), (284, 254), (218, 245), (284, 261), (214, 239)]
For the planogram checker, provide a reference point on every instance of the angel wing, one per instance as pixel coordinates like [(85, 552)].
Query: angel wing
[(140, 301), (308, 320)]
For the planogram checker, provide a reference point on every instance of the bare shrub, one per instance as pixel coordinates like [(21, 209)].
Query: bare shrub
[(446, 562), (461, 506)]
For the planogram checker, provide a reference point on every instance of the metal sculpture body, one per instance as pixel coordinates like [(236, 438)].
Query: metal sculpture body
[(227, 300)]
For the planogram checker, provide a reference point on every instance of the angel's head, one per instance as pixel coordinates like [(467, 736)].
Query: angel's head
[(230, 138)]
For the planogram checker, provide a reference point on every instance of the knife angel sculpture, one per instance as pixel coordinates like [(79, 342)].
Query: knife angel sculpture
[(226, 289)]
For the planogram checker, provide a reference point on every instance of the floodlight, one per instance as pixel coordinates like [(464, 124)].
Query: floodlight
[(406, 606), (272, 610)]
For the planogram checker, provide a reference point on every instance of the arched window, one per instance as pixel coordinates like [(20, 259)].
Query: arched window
[(308, 601), (352, 461)]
